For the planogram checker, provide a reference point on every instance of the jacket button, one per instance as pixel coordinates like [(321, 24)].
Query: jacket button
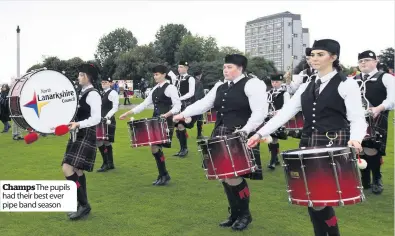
[(312, 127), (313, 109), (225, 93), (223, 107), (313, 115), (314, 104), (313, 121), (223, 100)]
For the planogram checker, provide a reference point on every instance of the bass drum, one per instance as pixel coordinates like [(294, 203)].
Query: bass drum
[(42, 100)]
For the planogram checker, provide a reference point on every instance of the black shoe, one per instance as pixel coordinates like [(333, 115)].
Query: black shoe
[(183, 152), (164, 180), (81, 212), (199, 137), (111, 167), (271, 166), (70, 213), (366, 186), (377, 187), (103, 168), (178, 153), (229, 222), (242, 222), (156, 181), (277, 163)]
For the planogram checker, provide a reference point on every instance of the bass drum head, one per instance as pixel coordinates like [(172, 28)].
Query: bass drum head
[(48, 99)]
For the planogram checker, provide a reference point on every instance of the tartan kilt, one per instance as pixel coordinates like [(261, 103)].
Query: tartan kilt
[(81, 154), (380, 125), (223, 131), (170, 126), (317, 138)]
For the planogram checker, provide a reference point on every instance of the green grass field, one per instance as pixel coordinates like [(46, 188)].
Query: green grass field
[(125, 203)]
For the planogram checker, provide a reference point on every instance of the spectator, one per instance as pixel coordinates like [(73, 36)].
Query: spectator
[(143, 87), (391, 71), (4, 110), (382, 67), (126, 94), (116, 87)]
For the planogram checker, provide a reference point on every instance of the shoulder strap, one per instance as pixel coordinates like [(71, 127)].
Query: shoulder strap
[(88, 91), (379, 74)]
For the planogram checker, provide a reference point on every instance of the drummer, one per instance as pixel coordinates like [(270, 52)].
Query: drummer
[(305, 75), (379, 92), (166, 102), (110, 102), (80, 154), (277, 98), (332, 107), (240, 106)]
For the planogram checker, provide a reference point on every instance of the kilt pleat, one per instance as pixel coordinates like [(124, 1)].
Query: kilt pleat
[(81, 154)]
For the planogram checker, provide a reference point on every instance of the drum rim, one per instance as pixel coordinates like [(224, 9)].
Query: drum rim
[(30, 74), (146, 119), (218, 139), (344, 150)]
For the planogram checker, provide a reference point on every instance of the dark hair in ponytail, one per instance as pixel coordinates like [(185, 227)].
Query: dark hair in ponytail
[(337, 66)]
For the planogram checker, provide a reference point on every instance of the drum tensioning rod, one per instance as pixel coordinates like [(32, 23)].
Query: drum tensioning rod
[(132, 135), (146, 127), (230, 155), (310, 203), (355, 160), (285, 166), (252, 161), (212, 163), (200, 150), (339, 191)]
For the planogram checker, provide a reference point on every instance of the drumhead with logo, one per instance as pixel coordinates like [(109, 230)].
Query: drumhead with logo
[(48, 99)]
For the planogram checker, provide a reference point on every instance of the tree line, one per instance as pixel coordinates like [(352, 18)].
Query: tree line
[(120, 57)]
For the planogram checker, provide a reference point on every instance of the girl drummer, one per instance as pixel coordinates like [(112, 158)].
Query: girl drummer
[(332, 107), (166, 102)]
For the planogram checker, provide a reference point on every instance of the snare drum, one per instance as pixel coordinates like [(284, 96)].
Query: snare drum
[(147, 132), (226, 157), (211, 116), (322, 176), (41, 100)]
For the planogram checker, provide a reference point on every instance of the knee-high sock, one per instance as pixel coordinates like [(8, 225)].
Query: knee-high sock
[(103, 153), (375, 166), (241, 192), (199, 125), (110, 157), (81, 197), (273, 148), (82, 180), (183, 139), (325, 220), (160, 162), (232, 200)]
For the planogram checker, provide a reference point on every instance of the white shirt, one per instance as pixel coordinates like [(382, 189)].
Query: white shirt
[(114, 98), (389, 83), (170, 91), (94, 101), (348, 90), (297, 80), (191, 90), (255, 90)]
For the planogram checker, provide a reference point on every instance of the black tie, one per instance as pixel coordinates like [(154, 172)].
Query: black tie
[(317, 87), (231, 84), (365, 77)]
